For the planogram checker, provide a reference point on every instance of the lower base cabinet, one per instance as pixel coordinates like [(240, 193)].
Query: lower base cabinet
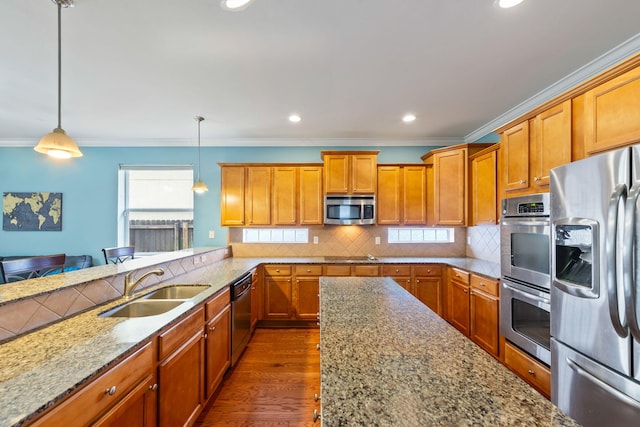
[(485, 314), (137, 409), (530, 370), (218, 349)]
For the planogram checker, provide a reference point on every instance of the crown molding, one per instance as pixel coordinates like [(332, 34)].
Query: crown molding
[(247, 142), (602, 63)]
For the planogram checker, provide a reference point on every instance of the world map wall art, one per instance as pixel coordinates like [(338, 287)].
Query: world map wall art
[(32, 211)]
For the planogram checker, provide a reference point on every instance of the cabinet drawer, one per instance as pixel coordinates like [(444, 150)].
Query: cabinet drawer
[(459, 275), (217, 303), (427, 270), (396, 270), (277, 270), (366, 270), (96, 398), (308, 270), (489, 286), (528, 369), (172, 338), (337, 270)]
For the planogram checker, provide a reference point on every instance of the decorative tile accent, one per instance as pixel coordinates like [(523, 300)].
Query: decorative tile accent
[(485, 242)]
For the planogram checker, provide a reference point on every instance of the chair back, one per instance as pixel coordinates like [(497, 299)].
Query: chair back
[(118, 255), (32, 267)]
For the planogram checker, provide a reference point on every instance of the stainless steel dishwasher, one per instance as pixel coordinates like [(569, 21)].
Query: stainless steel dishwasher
[(240, 316)]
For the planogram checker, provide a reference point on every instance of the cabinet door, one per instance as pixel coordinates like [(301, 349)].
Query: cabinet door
[(285, 201), (428, 290), (515, 146), (363, 173), (257, 297), (181, 385), (305, 297), (389, 203), (450, 170), (552, 143), (484, 197), (431, 210), (336, 173), (232, 183), (258, 198), (612, 113), (484, 321), (136, 409), (218, 349), (414, 201), (458, 295), (277, 298), (311, 202)]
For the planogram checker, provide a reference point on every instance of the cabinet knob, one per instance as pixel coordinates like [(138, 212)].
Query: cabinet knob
[(318, 347), (531, 372), (110, 391), (316, 415), (212, 328), (297, 280), (522, 181), (317, 315), (457, 275), (428, 270), (316, 397), (205, 336), (277, 270), (253, 288), (464, 290), (153, 387), (417, 280), (308, 270), (288, 280), (481, 283), (536, 178), (471, 293), (397, 270)]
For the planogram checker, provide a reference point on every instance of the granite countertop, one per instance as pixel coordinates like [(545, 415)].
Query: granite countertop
[(41, 368), (386, 359)]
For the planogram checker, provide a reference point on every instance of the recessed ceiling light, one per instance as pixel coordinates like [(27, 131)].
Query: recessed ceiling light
[(508, 3), (295, 118), (408, 118), (235, 5)]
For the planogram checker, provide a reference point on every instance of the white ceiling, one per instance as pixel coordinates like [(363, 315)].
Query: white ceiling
[(135, 72)]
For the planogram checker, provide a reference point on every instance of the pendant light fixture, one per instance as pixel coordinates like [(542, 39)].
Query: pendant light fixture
[(57, 143), (199, 186)]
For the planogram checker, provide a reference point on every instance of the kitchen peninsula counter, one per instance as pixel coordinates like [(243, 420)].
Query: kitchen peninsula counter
[(386, 359)]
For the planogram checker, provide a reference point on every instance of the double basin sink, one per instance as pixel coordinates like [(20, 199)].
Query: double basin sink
[(157, 302)]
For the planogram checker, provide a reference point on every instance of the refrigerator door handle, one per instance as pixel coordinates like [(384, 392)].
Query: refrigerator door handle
[(597, 381), (611, 244), (628, 270)]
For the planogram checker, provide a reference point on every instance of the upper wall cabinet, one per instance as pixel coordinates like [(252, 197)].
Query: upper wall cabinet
[(264, 194), (534, 147), (484, 171), (350, 172), (612, 113), (402, 195), (450, 183)]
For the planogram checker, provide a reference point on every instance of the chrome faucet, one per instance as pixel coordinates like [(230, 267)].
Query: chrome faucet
[(129, 287)]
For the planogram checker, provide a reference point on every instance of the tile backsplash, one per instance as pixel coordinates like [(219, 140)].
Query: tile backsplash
[(348, 241), (484, 242)]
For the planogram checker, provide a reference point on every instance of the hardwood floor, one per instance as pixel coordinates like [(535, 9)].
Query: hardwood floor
[(272, 384)]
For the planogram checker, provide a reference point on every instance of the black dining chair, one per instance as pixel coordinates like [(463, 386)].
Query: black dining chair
[(31, 267), (118, 255)]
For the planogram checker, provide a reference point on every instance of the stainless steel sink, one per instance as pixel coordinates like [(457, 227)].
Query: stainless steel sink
[(176, 292), (142, 308)]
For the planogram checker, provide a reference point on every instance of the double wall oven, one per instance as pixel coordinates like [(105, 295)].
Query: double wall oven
[(525, 302)]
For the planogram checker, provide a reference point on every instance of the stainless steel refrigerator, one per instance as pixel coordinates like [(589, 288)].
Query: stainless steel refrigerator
[(595, 346)]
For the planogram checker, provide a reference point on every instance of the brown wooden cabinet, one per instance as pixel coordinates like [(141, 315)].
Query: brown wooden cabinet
[(217, 340), (121, 393), (529, 369), (306, 303), (277, 292), (458, 300), (181, 371), (450, 183), (232, 185), (485, 313), (311, 203), (428, 286), (258, 196), (402, 195), (514, 144), (402, 274), (484, 199), (612, 113), (285, 195), (350, 172)]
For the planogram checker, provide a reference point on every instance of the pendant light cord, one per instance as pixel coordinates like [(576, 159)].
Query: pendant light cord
[(199, 119), (59, 65)]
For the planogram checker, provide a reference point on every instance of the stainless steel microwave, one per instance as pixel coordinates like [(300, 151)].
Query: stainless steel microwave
[(350, 210)]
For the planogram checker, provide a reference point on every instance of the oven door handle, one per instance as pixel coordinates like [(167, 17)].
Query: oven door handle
[(526, 295), (537, 222)]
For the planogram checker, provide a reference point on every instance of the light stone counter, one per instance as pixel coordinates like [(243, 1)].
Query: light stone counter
[(388, 360)]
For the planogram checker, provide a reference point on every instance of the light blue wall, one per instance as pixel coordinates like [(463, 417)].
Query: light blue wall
[(89, 189)]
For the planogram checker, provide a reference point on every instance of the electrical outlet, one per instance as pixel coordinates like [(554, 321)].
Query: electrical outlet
[(196, 260), (315, 240), (212, 234), (377, 240), (468, 240)]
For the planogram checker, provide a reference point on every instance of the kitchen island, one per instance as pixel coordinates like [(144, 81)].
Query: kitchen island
[(386, 359)]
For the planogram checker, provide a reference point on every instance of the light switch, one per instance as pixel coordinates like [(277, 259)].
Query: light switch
[(377, 240), (212, 234), (315, 240)]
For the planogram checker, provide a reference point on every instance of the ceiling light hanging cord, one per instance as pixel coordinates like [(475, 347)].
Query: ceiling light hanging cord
[(199, 186)]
